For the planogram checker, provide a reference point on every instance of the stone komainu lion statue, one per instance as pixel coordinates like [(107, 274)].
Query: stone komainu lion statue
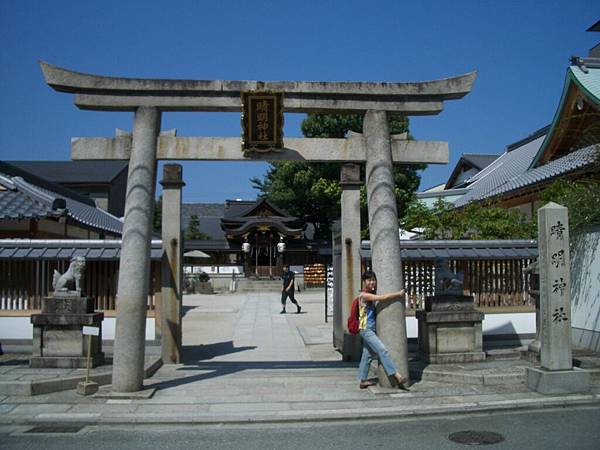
[(446, 281), (71, 279)]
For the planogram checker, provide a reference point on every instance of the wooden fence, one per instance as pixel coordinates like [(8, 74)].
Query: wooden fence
[(23, 283), (494, 283)]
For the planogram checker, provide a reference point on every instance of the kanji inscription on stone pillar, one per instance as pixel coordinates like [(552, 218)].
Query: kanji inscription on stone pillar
[(555, 287)]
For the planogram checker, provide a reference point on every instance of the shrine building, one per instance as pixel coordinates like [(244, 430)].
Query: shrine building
[(254, 238)]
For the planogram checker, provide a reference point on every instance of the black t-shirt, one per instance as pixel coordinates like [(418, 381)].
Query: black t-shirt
[(287, 277)]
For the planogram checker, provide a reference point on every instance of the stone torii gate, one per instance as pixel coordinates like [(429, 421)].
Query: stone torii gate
[(149, 98)]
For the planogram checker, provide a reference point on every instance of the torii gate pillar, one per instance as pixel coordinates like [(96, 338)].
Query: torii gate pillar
[(134, 268), (385, 242)]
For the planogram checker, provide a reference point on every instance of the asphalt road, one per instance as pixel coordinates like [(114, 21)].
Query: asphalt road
[(572, 428)]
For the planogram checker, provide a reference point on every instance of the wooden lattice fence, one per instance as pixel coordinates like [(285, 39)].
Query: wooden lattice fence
[(23, 283), (494, 283)]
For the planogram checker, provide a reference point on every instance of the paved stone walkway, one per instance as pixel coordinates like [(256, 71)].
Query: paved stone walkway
[(245, 362)]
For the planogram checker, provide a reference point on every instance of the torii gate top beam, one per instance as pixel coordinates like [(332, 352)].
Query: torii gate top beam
[(127, 94)]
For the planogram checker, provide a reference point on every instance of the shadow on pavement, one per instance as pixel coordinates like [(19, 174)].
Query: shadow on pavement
[(192, 353), (220, 369), (185, 309), (195, 359)]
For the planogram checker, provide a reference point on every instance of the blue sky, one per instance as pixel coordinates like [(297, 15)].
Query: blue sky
[(520, 50)]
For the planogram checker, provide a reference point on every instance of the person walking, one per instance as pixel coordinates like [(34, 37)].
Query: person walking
[(372, 347), (288, 289)]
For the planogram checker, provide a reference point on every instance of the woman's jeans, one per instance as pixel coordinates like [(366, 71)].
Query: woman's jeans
[(373, 348)]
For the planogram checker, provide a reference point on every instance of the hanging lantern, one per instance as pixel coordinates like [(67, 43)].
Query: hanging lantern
[(281, 247), (246, 247)]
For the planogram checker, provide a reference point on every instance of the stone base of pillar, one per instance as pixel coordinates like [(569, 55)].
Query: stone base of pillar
[(571, 381), (351, 347)]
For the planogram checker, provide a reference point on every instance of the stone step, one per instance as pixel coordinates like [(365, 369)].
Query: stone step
[(503, 354), (489, 372), (259, 286)]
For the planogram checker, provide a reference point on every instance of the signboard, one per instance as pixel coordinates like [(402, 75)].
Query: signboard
[(262, 121), (91, 331)]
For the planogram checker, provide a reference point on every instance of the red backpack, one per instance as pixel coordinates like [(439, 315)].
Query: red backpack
[(353, 324)]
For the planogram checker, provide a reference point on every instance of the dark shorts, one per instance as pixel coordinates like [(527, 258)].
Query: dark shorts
[(286, 294)]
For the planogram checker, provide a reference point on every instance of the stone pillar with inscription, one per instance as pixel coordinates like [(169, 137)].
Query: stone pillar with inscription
[(556, 374)]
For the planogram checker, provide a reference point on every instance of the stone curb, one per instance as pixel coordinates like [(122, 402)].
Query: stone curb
[(47, 386), (450, 377), (266, 417)]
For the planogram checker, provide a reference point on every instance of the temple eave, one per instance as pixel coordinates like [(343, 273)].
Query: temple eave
[(275, 226)]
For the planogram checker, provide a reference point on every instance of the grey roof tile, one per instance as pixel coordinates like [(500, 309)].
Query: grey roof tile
[(37, 252), (108, 250), (568, 163), (110, 253), (6, 253), (65, 253), (202, 210), (20, 253), (464, 249), (51, 253), (73, 171), (509, 165), (479, 160), (95, 253)]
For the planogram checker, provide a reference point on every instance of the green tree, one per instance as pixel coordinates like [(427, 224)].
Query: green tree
[(582, 197), (312, 192), (193, 230), (474, 221), (157, 218)]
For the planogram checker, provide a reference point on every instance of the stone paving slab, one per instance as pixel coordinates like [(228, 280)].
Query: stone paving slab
[(25, 410), (35, 381), (6, 408)]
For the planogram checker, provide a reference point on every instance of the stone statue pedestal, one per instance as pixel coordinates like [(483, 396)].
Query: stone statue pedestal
[(450, 330), (58, 339)]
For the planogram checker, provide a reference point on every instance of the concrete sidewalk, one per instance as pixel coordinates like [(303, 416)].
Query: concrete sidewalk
[(246, 363)]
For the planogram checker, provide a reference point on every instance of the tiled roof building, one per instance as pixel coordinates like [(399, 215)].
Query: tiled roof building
[(567, 148), (33, 207)]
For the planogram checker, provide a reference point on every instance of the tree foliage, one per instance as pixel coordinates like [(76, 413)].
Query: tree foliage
[(193, 230), (582, 197), (474, 221), (312, 191), (157, 217)]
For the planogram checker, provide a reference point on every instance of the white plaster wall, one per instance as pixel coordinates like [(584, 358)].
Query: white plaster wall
[(21, 328), (515, 323), (493, 324), (585, 280), (15, 328), (108, 328)]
